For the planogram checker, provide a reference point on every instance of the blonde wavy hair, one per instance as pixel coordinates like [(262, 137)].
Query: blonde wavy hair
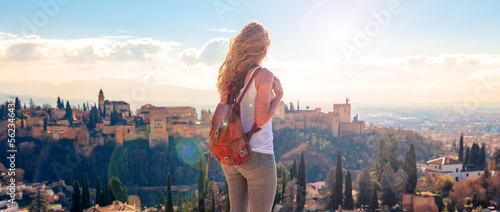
[(246, 50)]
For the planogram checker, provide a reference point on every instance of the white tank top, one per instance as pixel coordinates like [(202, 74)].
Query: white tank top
[(261, 141)]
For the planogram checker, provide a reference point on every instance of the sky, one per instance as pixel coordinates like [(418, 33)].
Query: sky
[(377, 53)]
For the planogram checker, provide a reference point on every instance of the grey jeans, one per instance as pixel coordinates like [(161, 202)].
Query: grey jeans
[(253, 182)]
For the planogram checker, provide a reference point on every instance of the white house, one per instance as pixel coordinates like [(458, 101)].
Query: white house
[(453, 168)]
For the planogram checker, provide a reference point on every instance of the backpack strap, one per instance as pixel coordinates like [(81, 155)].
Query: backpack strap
[(255, 72)]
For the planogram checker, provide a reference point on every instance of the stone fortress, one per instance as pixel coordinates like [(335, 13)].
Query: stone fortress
[(338, 120), (157, 123)]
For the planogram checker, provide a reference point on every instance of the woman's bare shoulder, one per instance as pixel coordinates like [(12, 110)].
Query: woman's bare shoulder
[(265, 75)]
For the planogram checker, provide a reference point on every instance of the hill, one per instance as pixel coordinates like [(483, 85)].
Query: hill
[(358, 152)]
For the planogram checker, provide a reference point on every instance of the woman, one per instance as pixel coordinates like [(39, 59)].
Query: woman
[(252, 184)]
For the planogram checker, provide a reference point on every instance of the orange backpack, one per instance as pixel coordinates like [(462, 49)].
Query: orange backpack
[(228, 142)]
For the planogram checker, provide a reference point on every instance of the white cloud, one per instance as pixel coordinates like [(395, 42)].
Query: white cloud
[(212, 52), (118, 48), (222, 30)]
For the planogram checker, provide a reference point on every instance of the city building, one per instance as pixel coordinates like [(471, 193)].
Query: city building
[(453, 168)]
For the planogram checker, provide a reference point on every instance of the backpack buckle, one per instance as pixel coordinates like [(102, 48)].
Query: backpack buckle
[(241, 153), (226, 159)]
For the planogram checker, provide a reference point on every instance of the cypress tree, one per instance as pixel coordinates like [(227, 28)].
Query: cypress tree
[(301, 183), (45, 123), (69, 112), (86, 202), (227, 206), (213, 201), (467, 156), (58, 102), (106, 196), (169, 207), (98, 193), (161, 200), (179, 202), (201, 187), (76, 202), (374, 204), (482, 156), (293, 170), (411, 170), (283, 188), (461, 149), (348, 200), (338, 183), (474, 155)]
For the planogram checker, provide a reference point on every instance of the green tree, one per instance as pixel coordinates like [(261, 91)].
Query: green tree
[(444, 183), (86, 202), (119, 192), (293, 170), (389, 197), (106, 194), (45, 123), (474, 155), (179, 202), (461, 149), (482, 156), (76, 202), (338, 183), (365, 188), (98, 193), (69, 112), (58, 102), (348, 201), (170, 206), (161, 200), (438, 199), (467, 156), (393, 155), (381, 160), (227, 206), (212, 205), (301, 182), (201, 187), (374, 201), (289, 197), (39, 201), (411, 170)]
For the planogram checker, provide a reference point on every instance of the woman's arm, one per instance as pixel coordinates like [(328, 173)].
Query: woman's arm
[(265, 103)]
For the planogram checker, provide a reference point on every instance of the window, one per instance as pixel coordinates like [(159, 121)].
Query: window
[(467, 174), (435, 167), (456, 178), (457, 169), (439, 167)]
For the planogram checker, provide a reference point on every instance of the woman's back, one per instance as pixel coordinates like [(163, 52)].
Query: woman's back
[(261, 141)]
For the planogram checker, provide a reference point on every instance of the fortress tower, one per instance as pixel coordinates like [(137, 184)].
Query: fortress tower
[(101, 101), (344, 111)]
